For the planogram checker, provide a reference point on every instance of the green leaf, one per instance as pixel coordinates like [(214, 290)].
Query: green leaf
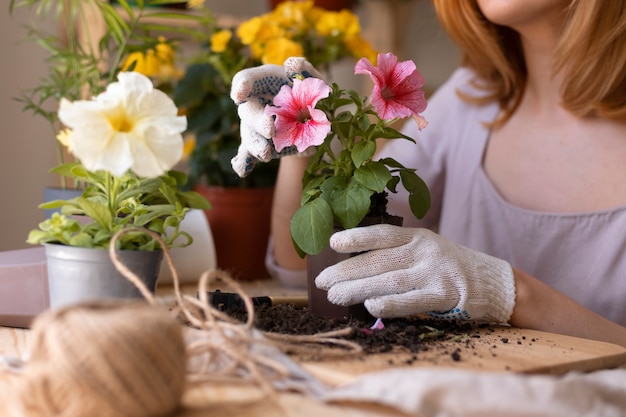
[(390, 133), (350, 204), (390, 162), (154, 212), (373, 175), (97, 212), (392, 184), (363, 151), (312, 226), (195, 200), (311, 189), (53, 204), (82, 240), (36, 237), (419, 195)]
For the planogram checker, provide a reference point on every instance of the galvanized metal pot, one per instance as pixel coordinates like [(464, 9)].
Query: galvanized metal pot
[(82, 274)]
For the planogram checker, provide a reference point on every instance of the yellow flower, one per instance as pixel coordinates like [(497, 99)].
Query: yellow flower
[(64, 138), (269, 30), (360, 48), (220, 39), (195, 4), (278, 50), (158, 62), (248, 30), (342, 23), (188, 146), (293, 14)]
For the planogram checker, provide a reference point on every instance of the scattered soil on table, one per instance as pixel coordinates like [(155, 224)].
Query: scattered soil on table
[(408, 335)]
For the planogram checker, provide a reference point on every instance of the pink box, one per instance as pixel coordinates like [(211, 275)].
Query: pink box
[(23, 286)]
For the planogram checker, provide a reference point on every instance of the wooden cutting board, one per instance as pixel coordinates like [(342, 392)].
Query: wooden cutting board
[(505, 349)]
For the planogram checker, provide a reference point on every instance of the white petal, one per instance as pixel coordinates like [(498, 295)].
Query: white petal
[(150, 141)]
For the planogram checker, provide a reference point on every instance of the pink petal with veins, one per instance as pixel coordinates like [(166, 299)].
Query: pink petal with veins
[(298, 122), (397, 89)]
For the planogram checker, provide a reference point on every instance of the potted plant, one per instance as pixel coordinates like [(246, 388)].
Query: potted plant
[(123, 137), (127, 140), (94, 39), (344, 184), (240, 214)]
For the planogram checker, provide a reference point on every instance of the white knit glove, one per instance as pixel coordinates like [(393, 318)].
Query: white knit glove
[(413, 271), (252, 89)]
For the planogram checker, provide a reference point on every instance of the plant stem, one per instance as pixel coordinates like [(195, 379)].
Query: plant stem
[(111, 195)]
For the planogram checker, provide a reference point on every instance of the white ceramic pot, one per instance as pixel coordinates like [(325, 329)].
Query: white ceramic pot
[(82, 274)]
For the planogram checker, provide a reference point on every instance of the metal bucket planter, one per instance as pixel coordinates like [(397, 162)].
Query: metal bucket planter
[(82, 274)]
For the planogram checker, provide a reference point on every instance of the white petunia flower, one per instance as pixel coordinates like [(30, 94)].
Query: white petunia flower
[(131, 125)]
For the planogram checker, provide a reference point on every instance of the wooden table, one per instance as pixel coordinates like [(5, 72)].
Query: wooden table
[(501, 349)]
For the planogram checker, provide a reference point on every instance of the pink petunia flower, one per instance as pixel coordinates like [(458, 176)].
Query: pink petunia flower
[(298, 122), (397, 89)]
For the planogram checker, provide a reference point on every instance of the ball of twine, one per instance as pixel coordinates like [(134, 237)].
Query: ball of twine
[(105, 358)]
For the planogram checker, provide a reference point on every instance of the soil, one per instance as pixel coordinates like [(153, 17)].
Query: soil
[(411, 335)]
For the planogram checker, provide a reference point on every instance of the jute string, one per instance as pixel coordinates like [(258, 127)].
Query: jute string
[(131, 358), (236, 338), (101, 359)]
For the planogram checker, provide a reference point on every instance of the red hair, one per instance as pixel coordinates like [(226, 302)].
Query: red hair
[(591, 56)]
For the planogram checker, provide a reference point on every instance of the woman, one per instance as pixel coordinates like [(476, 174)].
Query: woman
[(524, 155)]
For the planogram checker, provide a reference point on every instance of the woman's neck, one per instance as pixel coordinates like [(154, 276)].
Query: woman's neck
[(542, 90)]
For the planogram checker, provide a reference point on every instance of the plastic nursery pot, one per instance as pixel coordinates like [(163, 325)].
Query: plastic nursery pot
[(318, 300)]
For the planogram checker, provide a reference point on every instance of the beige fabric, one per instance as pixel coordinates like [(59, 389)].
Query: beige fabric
[(448, 393)]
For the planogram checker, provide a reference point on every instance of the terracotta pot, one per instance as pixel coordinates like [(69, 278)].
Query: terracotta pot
[(318, 300), (334, 5), (240, 223)]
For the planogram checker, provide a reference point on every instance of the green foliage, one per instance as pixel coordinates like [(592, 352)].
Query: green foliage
[(341, 188), (109, 204)]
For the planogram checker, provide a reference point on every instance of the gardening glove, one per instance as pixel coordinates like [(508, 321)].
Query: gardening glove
[(252, 89), (413, 271)]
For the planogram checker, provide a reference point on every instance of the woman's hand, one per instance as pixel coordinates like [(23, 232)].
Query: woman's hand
[(252, 89), (407, 271)]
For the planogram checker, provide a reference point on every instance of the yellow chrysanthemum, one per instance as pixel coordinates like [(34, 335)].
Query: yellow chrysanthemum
[(220, 39), (293, 15), (278, 50), (247, 31), (268, 32), (342, 23)]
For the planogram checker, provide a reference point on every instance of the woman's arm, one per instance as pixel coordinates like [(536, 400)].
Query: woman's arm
[(286, 201), (540, 307)]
